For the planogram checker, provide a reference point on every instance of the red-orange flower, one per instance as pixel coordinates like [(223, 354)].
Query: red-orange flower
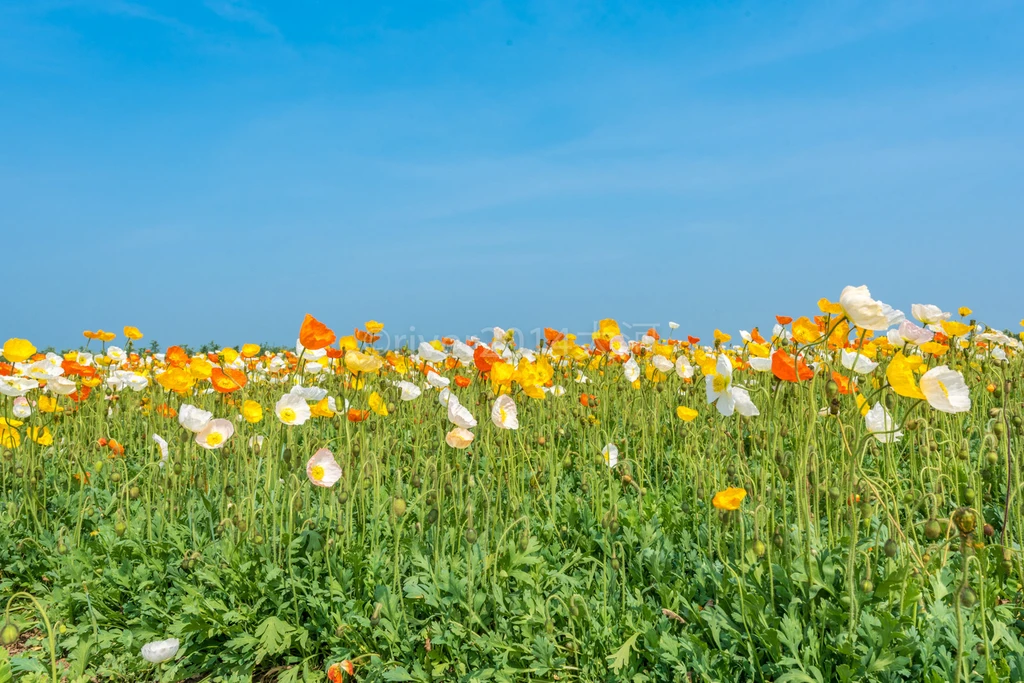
[(164, 410), (314, 335), (227, 380), (783, 319), (462, 382), (484, 358), (334, 672), (842, 381), (364, 337), (356, 415), (693, 340), (553, 335), (788, 369), (176, 356)]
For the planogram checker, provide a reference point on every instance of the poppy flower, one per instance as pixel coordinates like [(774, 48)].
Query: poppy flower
[(729, 499), (356, 415), (160, 650), (726, 397), (552, 335), (842, 381), (459, 414), (946, 390), (215, 434), (900, 375), (314, 335), (862, 310), (790, 369), (929, 314), (611, 455), (880, 423), (132, 333), (322, 469), (504, 413), (783, 319), (18, 350), (686, 414), (365, 337), (334, 672), (484, 358), (377, 404), (193, 419), (292, 409), (462, 382), (459, 437), (227, 380), (693, 340), (252, 411), (373, 327), (858, 362)]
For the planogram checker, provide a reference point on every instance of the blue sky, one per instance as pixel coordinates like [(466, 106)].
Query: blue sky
[(217, 169)]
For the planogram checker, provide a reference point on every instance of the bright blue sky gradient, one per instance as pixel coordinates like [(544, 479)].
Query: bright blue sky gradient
[(218, 169)]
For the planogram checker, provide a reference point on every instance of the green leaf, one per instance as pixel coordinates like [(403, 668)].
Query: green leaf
[(620, 659), (275, 637), (5, 667), (399, 674)]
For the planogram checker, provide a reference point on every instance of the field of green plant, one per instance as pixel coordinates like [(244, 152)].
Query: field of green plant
[(834, 499)]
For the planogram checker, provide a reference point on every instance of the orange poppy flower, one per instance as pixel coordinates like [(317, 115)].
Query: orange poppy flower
[(788, 369), (653, 333), (80, 395), (602, 345), (314, 335), (356, 415), (783, 319), (366, 337), (115, 447), (6, 369), (447, 341), (693, 340), (756, 336), (484, 358), (553, 335), (164, 410), (462, 382), (72, 368), (176, 356), (227, 380), (842, 381)]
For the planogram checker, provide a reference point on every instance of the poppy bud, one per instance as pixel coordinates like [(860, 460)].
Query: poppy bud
[(9, 634)]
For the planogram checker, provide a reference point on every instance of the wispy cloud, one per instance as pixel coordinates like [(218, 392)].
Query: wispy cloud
[(238, 12)]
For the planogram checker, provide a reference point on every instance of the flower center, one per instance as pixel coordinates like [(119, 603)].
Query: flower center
[(214, 438), (945, 391), (317, 473), (288, 415), (720, 383)]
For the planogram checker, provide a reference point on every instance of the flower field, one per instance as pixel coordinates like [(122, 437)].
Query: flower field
[(832, 497)]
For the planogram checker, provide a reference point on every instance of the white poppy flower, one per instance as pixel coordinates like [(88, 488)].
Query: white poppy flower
[(880, 423), (857, 362), (215, 434), (192, 418), (946, 390), (505, 414), (862, 310), (459, 414), (322, 469), (160, 650), (292, 409), (611, 454)]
